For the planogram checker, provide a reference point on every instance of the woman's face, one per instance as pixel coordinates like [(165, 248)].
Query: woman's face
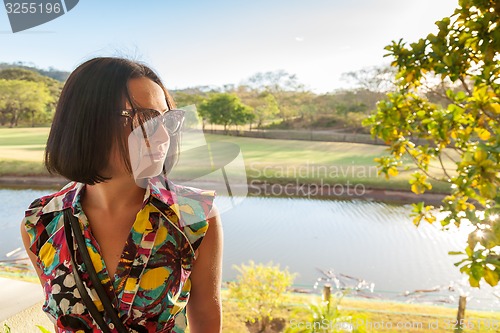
[(147, 155)]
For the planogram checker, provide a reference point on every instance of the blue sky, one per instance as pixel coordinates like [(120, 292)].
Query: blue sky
[(218, 42)]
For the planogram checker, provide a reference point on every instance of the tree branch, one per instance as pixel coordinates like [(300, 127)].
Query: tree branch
[(464, 84), (422, 169), (491, 116), (442, 166), (447, 155)]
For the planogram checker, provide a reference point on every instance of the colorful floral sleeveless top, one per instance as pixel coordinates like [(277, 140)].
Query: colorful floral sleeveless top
[(151, 286)]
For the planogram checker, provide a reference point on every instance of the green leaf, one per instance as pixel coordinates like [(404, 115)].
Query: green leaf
[(491, 276), (477, 271), (473, 282), (488, 239), (460, 96), (468, 251), (460, 262), (43, 329)]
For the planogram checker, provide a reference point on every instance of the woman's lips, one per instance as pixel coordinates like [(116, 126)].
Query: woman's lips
[(157, 156)]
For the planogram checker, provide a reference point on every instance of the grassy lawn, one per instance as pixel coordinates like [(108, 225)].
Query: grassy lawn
[(21, 151), (285, 161), (370, 313), (274, 161)]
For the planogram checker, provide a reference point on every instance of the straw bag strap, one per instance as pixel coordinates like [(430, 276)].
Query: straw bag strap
[(71, 224)]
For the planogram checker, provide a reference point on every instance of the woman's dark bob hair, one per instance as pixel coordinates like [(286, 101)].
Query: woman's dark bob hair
[(87, 121)]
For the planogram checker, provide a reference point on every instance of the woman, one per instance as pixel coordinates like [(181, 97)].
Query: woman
[(154, 245)]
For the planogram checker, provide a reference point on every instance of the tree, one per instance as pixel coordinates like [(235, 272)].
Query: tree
[(264, 104), (465, 131), (185, 99), (282, 86), (260, 290), (265, 110), (375, 78), (225, 109), (20, 99), (189, 96), (275, 81), (54, 88)]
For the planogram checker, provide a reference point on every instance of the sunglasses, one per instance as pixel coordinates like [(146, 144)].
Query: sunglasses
[(149, 120)]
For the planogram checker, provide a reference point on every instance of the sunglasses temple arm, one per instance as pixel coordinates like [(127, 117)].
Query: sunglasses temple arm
[(145, 136)]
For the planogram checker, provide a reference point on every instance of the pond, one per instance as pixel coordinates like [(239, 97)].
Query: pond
[(366, 239)]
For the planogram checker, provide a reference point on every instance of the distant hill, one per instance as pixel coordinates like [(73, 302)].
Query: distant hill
[(51, 72)]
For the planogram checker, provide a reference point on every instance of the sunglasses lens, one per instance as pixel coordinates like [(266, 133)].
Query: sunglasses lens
[(150, 120), (173, 121)]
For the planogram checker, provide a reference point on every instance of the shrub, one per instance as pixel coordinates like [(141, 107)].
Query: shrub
[(260, 290)]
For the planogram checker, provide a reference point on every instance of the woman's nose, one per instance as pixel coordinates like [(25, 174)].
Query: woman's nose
[(161, 135)]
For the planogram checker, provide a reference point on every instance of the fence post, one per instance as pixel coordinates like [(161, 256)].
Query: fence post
[(327, 292), (460, 314)]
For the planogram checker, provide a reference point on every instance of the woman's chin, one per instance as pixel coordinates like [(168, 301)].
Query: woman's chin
[(148, 171)]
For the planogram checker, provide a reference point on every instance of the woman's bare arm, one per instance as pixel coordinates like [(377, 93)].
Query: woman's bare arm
[(31, 255), (204, 309)]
